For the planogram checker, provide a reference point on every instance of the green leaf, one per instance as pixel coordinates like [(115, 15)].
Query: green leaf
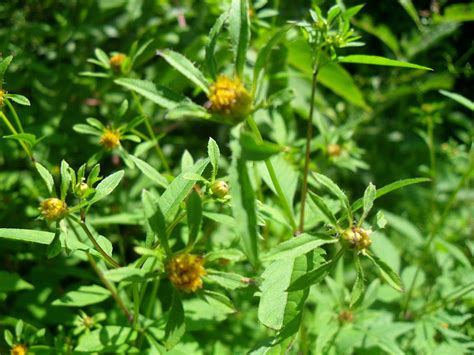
[(109, 339), (411, 11), (368, 201), (359, 285), (126, 273), (214, 154), (65, 179), (335, 190), (11, 282), (27, 235), (387, 273), (389, 188), (179, 189), (103, 57), (219, 301), (239, 29), (86, 129), (23, 137), (376, 60), (47, 177), (106, 186), (330, 218), (150, 172), (264, 55), (161, 96), (175, 326), (243, 204), (298, 246), (185, 67), (211, 45), (381, 31), (4, 63), (83, 296), (278, 307), (254, 150), (312, 277), (19, 99), (194, 213), (227, 254), (459, 99), (55, 247), (155, 218), (228, 280), (456, 13)]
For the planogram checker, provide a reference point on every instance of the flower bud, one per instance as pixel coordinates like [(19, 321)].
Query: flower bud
[(334, 150), (185, 272), (53, 209), (116, 61), (82, 189), (358, 238), (219, 189), (229, 98), (110, 139)]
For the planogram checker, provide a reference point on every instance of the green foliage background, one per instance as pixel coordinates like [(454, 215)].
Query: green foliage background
[(390, 123)]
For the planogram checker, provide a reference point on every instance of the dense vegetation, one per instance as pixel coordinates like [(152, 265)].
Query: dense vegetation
[(228, 177)]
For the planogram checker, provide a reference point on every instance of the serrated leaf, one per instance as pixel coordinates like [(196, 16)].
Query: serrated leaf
[(239, 29), (211, 45), (179, 189), (336, 191), (359, 285), (368, 201), (161, 96), (46, 176), (150, 172), (185, 67), (175, 326), (321, 204), (295, 247), (83, 296), (387, 273), (376, 60), (214, 154), (194, 215), (106, 186)]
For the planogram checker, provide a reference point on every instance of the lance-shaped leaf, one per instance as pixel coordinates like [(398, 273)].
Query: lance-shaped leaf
[(185, 67), (214, 154), (150, 172), (175, 325), (254, 150), (179, 189), (211, 45), (46, 176), (359, 284), (279, 307), (106, 186), (4, 63), (459, 99), (194, 214), (376, 60), (19, 99), (330, 218), (387, 273), (239, 28), (158, 94), (368, 201), (243, 204), (155, 219)]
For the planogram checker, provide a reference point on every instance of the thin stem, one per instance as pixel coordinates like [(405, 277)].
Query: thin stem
[(14, 131), (136, 303), (455, 295), (86, 229), (149, 128), (110, 287), (271, 171), (438, 224), (15, 116), (309, 137)]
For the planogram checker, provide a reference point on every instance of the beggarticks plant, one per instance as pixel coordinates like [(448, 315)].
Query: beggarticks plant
[(207, 244)]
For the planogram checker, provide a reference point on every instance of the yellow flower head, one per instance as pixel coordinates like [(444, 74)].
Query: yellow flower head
[(110, 138), (53, 209), (219, 189), (358, 238), (334, 150), (2, 96), (116, 61), (228, 97), (185, 272), (19, 349)]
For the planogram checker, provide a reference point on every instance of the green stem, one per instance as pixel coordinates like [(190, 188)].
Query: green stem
[(453, 296), (309, 137), (271, 171), (14, 131), (110, 287), (149, 128), (15, 116), (438, 224), (86, 229), (136, 303)]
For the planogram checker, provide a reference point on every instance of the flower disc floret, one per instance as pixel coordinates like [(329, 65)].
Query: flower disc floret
[(110, 139), (19, 349), (358, 238), (2, 97), (228, 97), (185, 272), (53, 209)]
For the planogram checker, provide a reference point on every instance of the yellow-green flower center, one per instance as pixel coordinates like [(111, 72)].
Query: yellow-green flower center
[(358, 238), (228, 97), (185, 272), (110, 139), (19, 349), (53, 209)]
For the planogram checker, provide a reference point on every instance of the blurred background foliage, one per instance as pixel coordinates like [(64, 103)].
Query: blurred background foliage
[(383, 127)]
